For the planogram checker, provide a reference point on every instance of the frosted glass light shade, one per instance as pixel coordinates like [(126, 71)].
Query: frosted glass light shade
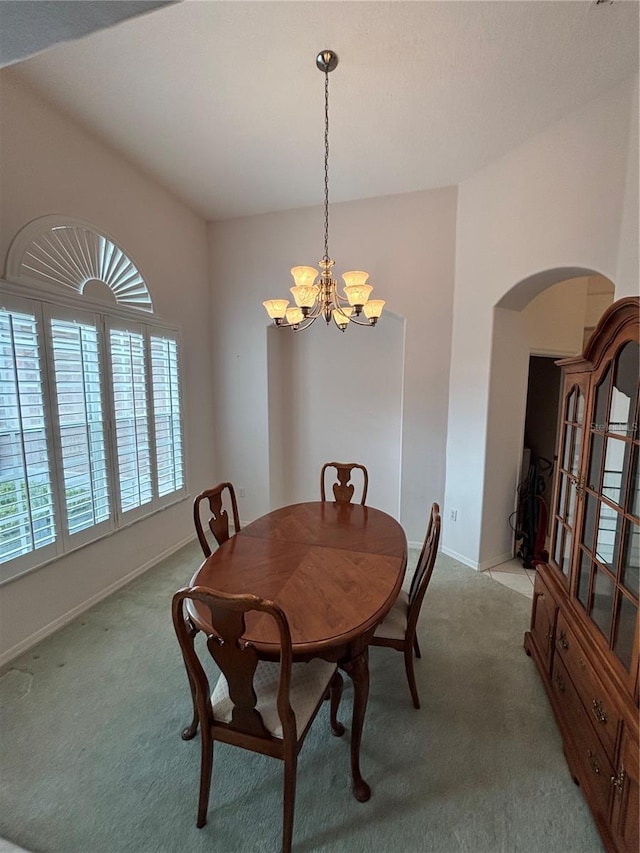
[(358, 294), (354, 277), (305, 295), (276, 308), (339, 317), (294, 316), (373, 309), (304, 276)]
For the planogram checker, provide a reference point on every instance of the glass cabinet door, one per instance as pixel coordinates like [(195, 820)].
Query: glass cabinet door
[(608, 562), (568, 492)]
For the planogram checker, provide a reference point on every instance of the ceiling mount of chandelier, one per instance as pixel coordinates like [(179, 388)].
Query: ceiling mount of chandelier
[(316, 292)]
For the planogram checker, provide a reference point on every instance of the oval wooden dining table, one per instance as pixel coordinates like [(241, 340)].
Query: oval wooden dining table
[(335, 569)]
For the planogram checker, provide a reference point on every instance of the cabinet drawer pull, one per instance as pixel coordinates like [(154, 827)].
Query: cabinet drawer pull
[(598, 711), (618, 781), (593, 761), (562, 639), (560, 682)]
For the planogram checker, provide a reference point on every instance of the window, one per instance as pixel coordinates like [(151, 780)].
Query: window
[(166, 414), (91, 433), (26, 494), (131, 417), (80, 422)]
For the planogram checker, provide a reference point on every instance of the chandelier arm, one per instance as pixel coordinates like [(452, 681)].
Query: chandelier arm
[(356, 322), (308, 321)]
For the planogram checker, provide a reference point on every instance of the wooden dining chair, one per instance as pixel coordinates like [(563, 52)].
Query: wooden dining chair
[(219, 516), (342, 490), (398, 628), (258, 705)]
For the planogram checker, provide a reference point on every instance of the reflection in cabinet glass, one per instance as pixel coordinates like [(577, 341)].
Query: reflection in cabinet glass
[(602, 401), (595, 462), (566, 552), (591, 506), (614, 468), (635, 483), (625, 390), (602, 602), (606, 537), (631, 558), (626, 624)]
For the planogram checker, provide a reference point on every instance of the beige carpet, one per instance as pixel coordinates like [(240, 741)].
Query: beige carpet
[(92, 761)]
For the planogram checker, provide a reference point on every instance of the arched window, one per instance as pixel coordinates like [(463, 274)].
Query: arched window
[(90, 405)]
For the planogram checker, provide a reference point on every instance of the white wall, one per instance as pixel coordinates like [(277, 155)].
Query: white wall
[(343, 403), (49, 165), (628, 271), (554, 321), (555, 203), (406, 243)]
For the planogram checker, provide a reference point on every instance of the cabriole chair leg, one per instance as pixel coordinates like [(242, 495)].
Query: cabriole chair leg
[(206, 766), (290, 770)]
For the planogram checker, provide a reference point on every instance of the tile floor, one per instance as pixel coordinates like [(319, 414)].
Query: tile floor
[(515, 576)]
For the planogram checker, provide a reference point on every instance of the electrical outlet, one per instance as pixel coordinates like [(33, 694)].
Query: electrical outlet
[(453, 515), (240, 493)]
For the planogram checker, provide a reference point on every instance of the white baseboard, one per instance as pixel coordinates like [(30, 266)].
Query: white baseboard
[(63, 620), (473, 564), (417, 545)]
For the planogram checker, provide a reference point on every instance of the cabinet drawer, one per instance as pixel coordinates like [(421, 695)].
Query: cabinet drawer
[(595, 697), (595, 769)]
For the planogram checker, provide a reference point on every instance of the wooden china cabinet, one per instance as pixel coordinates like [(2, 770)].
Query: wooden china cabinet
[(584, 634)]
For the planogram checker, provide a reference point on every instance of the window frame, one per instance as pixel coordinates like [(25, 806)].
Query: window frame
[(52, 312), (43, 303)]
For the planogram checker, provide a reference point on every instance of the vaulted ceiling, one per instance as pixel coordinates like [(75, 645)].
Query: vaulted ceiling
[(221, 102)]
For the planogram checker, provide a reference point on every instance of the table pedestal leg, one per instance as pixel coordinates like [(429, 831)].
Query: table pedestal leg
[(358, 670)]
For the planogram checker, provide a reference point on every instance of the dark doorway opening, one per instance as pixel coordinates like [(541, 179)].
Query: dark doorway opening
[(541, 420), (538, 461)]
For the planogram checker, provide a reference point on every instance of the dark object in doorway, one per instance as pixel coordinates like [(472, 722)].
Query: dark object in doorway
[(531, 515)]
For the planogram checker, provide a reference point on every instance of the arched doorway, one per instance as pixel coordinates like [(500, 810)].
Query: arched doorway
[(545, 313)]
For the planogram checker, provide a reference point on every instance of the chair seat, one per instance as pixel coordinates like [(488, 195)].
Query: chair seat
[(394, 624), (309, 682)]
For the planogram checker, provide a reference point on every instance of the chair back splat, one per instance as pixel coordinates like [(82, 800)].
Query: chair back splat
[(236, 659), (343, 490), (256, 704), (219, 517)]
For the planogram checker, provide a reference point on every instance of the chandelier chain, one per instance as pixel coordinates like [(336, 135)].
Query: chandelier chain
[(316, 293), (326, 166)]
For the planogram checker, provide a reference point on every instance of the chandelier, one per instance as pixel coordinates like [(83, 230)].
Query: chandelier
[(316, 293)]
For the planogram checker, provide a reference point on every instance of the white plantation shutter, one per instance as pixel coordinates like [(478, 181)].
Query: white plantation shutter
[(91, 427), (27, 516), (131, 417), (81, 433), (167, 416)]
